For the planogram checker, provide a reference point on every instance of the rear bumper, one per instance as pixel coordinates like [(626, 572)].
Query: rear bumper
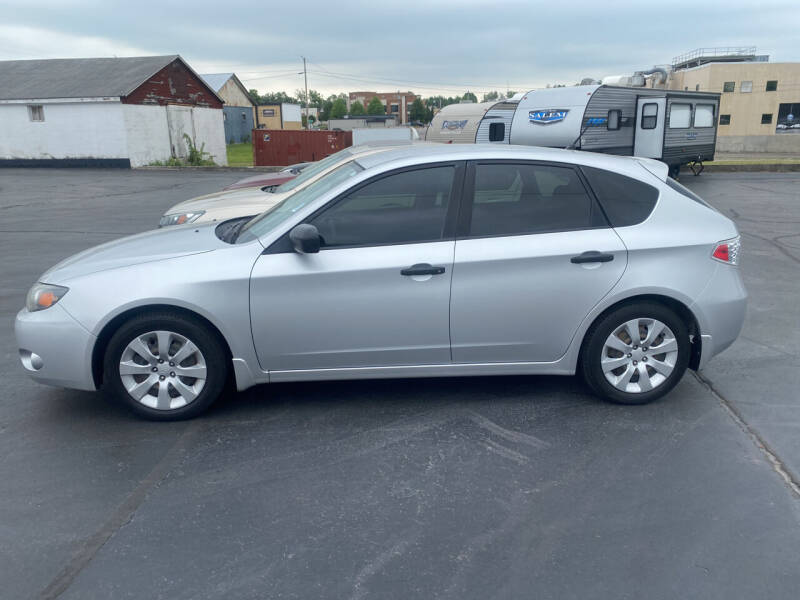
[(54, 348), (720, 310)]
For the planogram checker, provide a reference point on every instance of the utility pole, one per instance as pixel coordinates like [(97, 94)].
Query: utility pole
[(305, 77)]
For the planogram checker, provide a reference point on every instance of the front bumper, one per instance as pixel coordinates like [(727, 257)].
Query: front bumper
[(54, 348)]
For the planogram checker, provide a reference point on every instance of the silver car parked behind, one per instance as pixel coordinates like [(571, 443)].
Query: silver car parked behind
[(413, 262)]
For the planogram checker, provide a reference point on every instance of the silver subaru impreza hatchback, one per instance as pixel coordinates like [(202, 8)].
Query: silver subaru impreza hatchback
[(414, 261)]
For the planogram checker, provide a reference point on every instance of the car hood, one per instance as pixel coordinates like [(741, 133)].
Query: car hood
[(161, 244), (233, 206), (261, 180), (253, 195)]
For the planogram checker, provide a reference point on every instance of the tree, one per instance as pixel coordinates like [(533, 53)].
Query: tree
[(470, 97), (316, 98), (418, 111), (338, 109), (254, 96), (510, 93), (327, 104), (376, 107), (490, 96), (356, 108)]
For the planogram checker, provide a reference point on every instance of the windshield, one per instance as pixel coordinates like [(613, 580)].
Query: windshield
[(268, 220), (313, 170)]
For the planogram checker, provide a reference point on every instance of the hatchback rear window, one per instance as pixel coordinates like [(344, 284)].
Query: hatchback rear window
[(626, 201)]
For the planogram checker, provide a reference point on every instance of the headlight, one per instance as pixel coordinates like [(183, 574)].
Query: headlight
[(44, 295), (180, 218)]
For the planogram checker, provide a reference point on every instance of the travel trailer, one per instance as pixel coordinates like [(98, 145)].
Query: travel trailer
[(675, 127)]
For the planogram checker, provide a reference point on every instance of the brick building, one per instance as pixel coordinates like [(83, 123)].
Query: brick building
[(397, 104), (125, 112)]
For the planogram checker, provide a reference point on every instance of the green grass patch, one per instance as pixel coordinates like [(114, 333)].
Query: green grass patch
[(757, 161), (240, 155)]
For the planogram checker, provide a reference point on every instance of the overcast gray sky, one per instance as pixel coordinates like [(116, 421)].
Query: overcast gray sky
[(429, 47)]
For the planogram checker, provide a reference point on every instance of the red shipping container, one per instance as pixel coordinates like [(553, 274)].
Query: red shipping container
[(282, 147)]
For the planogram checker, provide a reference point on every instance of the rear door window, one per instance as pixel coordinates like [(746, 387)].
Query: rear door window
[(626, 201), (520, 198)]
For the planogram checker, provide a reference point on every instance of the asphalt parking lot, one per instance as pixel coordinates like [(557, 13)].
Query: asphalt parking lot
[(515, 487)]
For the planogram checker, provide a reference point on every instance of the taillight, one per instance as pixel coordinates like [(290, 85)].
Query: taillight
[(727, 251)]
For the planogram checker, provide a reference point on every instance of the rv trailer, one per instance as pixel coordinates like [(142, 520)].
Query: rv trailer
[(676, 127), (457, 123)]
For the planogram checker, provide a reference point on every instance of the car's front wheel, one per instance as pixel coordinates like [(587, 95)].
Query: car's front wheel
[(165, 366), (636, 353)]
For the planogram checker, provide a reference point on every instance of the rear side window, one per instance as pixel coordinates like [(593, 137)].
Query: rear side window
[(519, 199), (626, 201)]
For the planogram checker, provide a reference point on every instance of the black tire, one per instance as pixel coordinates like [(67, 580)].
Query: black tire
[(207, 342), (591, 369)]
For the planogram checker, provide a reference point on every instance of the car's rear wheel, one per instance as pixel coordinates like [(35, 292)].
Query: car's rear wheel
[(636, 353), (165, 366)]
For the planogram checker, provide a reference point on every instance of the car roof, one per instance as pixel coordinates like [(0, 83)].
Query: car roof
[(427, 152)]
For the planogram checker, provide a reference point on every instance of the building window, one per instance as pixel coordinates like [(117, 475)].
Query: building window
[(244, 116), (36, 112), (395, 108), (788, 118), (728, 86), (267, 112), (724, 119), (772, 85), (766, 118), (746, 87), (614, 117), (680, 115), (704, 115), (649, 115)]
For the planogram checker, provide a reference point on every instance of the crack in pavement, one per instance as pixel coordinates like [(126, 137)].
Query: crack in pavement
[(778, 465), (122, 515)]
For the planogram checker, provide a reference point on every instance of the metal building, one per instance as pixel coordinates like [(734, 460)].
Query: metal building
[(239, 109)]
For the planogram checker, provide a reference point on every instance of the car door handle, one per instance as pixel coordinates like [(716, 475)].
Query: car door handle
[(422, 269), (592, 256)]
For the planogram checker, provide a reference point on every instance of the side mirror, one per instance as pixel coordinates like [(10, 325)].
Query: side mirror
[(305, 239)]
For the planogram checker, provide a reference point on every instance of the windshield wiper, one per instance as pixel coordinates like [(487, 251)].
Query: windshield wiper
[(228, 231)]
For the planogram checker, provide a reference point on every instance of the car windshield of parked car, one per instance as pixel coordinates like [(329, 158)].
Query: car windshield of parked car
[(268, 220), (313, 170)]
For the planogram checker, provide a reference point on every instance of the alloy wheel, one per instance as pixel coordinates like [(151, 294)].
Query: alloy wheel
[(639, 355), (163, 370)]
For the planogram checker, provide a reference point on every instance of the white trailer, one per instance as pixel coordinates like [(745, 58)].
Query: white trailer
[(383, 134), (676, 127), (457, 123)]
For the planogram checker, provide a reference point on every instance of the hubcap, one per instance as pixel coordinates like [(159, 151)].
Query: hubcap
[(639, 355), (162, 370)]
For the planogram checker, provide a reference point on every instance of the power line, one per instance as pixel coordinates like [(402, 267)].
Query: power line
[(431, 84)]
